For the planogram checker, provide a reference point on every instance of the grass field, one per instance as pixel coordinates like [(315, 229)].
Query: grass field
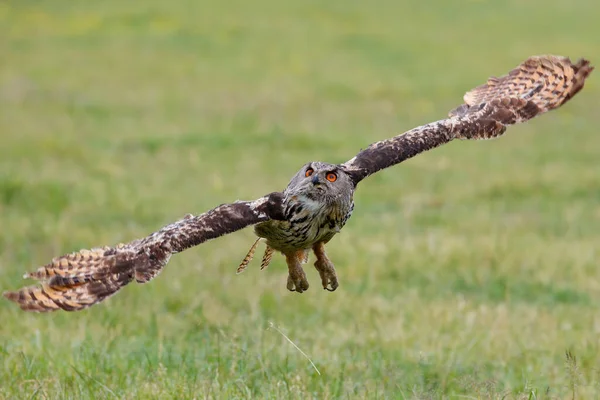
[(466, 272)]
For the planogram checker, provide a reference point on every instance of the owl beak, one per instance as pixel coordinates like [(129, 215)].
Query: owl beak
[(315, 180)]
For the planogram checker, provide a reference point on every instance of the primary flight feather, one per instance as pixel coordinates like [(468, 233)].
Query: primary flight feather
[(316, 203)]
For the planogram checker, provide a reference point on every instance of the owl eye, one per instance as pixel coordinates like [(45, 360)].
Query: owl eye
[(331, 177), (309, 172)]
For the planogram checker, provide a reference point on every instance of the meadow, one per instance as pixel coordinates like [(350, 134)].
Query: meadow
[(470, 271)]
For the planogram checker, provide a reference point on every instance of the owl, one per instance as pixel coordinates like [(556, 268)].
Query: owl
[(314, 206)]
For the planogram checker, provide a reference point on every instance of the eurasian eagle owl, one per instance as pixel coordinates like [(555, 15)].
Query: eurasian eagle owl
[(315, 205)]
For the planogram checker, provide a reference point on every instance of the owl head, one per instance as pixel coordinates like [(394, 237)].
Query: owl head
[(321, 181)]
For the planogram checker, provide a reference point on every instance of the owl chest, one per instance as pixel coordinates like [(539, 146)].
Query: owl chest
[(306, 224)]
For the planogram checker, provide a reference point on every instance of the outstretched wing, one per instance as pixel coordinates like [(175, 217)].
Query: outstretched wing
[(540, 84), (79, 280)]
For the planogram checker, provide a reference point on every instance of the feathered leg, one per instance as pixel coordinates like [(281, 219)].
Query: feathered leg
[(296, 281), (325, 268)]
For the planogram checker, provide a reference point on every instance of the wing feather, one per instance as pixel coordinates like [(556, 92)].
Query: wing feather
[(79, 280), (538, 85)]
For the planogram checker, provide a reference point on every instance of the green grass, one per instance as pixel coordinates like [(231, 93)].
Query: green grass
[(470, 270)]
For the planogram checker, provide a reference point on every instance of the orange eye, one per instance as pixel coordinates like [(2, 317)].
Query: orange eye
[(331, 177), (309, 172)]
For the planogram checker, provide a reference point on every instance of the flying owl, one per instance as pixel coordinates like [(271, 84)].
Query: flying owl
[(316, 203)]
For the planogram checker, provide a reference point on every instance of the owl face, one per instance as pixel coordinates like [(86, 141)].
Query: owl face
[(321, 181)]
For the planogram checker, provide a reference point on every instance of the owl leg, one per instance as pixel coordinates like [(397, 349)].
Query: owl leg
[(296, 281), (325, 268)]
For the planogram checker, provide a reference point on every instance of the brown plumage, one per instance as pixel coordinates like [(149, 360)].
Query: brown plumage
[(78, 280), (538, 85), (316, 203), (547, 81), (266, 260), (248, 258)]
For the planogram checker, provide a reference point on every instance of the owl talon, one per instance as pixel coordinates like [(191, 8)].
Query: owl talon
[(299, 285), (329, 279), (332, 282), (325, 268), (296, 281), (290, 284)]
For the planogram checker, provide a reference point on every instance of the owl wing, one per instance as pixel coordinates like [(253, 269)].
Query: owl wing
[(79, 280), (540, 84)]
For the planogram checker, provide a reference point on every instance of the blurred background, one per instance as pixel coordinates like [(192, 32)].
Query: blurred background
[(468, 270)]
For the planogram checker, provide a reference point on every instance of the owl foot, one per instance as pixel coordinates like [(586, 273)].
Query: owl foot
[(297, 285), (296, 281), (328, 275), (325, 268)]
